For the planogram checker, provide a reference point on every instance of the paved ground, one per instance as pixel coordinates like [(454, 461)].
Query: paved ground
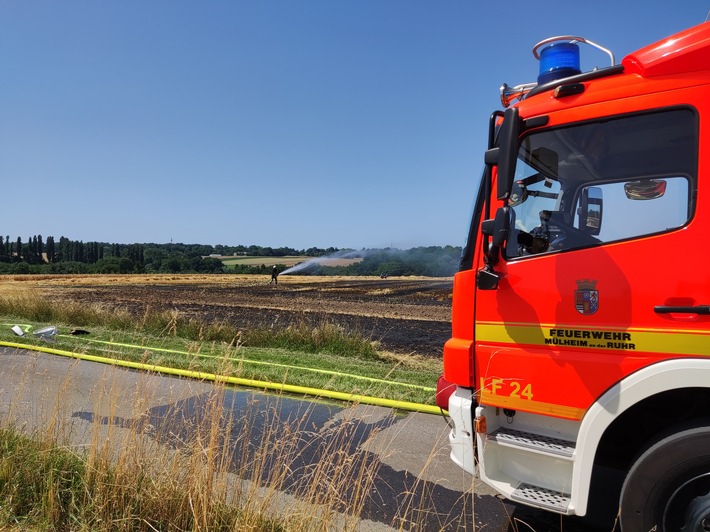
[(416, 487)]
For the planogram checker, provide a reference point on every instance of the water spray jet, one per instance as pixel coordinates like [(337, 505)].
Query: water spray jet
[(328, 260)]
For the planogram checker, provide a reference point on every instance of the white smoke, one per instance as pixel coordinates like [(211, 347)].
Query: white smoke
[(344, 254)]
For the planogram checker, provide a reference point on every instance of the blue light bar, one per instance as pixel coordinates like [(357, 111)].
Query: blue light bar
[(557, 61)]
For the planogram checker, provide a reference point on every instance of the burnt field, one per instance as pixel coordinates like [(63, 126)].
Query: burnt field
[(405, 315)]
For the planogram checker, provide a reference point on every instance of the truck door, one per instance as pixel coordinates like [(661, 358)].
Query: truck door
[(596, 276)]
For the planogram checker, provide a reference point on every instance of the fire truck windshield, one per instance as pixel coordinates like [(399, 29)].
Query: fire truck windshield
[(604, 181)]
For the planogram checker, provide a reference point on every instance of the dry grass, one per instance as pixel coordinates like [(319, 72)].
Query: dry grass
[(24, 300), (138, 279), (209, 472), (11, 281)]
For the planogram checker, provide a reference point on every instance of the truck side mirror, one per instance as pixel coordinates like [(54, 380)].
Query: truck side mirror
[(508, 151), (591, 207), (497, 229)]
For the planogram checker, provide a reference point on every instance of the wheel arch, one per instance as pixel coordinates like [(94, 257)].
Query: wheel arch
[(626, 417)]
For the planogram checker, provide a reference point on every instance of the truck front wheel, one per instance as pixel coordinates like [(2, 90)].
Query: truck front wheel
[(668, 487)]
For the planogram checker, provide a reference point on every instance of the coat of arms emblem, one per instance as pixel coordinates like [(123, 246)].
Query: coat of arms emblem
[(586, 297)]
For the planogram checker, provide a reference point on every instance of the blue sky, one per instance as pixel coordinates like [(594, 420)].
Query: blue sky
[(346, 123)]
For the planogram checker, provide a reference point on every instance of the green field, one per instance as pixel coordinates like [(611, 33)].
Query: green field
[(266, 261), (289, 260)]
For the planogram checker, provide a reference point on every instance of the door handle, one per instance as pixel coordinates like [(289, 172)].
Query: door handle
[(697, 309)]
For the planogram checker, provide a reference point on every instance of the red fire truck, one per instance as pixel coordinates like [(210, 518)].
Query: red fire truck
[(581, 312)]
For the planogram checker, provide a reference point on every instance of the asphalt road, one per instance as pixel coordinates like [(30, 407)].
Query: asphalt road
[(416, 486)]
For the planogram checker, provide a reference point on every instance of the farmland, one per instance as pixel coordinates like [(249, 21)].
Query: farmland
[(406, 315)]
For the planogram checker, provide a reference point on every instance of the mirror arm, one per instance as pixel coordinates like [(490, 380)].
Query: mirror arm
[(493, 256), (492, 156), (487, 279)]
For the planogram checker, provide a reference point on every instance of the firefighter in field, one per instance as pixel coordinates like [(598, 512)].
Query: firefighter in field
[(274, 275)]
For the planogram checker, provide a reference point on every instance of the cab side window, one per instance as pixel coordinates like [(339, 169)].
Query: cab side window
[(590, 183), (634, 208)]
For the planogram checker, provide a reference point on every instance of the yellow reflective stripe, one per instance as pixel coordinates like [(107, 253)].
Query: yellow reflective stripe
[(663, 341), (508, 333), (537, 407)]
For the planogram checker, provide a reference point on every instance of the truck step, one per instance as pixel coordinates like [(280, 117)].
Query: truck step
[(542, 498), (536, 442)]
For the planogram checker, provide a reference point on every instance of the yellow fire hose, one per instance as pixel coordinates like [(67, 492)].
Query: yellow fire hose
[(237, 381)]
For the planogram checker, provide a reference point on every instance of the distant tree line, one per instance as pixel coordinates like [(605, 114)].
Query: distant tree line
[(38, 255)]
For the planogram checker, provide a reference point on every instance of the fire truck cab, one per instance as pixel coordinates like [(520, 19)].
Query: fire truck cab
[(581, 311)]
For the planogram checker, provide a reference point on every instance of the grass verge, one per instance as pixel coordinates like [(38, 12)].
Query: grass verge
[(217, 480), (325, 357)]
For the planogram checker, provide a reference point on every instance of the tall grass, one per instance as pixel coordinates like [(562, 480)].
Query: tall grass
[(326, 337), (210, 472), (47, 486)]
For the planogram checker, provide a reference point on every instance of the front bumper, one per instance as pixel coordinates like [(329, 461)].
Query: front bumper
[(462, 437)]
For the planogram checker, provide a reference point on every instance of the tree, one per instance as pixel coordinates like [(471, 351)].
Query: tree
[(171, 265), (51, 252), (40, 249), (113, 265)]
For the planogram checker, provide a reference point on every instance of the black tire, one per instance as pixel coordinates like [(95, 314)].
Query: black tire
[(668, 487)]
